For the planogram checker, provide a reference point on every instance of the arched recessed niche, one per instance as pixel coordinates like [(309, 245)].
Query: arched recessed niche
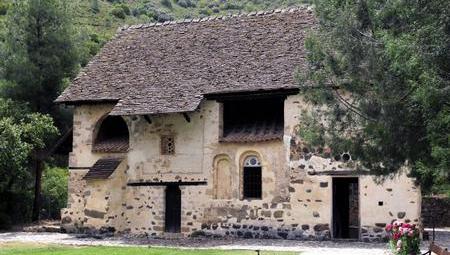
[(111, 135), (222, 177)]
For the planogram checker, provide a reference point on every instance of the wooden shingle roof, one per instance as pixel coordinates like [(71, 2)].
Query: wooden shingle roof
[(169, 67), (103, 168)]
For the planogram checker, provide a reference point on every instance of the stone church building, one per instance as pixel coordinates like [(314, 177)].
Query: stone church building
[(192, 127)]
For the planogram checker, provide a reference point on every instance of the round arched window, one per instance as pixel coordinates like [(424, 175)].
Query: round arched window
[(252, 178), (252, 161)]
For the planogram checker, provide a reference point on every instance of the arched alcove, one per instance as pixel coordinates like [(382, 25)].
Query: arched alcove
[(111, 135), (222, 177)]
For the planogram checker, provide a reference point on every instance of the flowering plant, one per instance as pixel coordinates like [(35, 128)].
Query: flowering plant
[(404, 238)]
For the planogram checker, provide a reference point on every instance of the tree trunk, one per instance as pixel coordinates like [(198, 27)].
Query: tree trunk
[(38, 167)]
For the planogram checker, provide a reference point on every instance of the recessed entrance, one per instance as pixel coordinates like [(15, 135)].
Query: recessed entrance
[(345, 208), (173, 209)]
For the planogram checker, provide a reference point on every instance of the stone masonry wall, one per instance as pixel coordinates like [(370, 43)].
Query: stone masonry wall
[(436, 211), (297, 186)]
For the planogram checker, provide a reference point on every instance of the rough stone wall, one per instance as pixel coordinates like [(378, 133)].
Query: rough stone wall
[(297, 194), (436, 211), (91, 204), (72, 217)]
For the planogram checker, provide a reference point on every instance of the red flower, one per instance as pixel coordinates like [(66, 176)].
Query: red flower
[(406, 225), (388, 227)]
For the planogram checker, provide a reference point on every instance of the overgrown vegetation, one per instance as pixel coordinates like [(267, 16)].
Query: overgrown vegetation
[(382, 69)]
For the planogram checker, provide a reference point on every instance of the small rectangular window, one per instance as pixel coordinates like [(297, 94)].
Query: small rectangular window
[(167, 145)]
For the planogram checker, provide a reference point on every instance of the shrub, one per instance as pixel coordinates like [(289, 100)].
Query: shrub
[(118, 12), (15, 207), (186, 3), (162, 17), (126, 9), (232, 6), (205, 12), (54, 192), (95, 7), (167, 3), (136, 12), (3, 8)]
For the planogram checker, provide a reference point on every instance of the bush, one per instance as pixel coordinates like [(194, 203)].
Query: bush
[(118, 12), (54, 192), (15, 207), (136, 12), (205, 12), (186, 3), (161, 16), (232, 6), (167, 3), (125, 8), (95, 7), (3, 8)]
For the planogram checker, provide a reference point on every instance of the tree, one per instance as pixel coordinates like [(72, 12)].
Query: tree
[(21, 133), (40, 55), (382, 69), (39, 52)]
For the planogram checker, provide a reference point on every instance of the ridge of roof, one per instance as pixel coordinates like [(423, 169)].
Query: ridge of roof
[(217, 17), (166, 68)]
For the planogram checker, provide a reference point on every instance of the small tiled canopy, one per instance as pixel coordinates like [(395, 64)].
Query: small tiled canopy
[(103, 168), (170, 67)]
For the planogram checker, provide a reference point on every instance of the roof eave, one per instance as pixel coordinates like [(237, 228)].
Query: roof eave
[(241, 94)]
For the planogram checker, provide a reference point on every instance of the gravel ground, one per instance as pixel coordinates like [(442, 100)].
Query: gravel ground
[(306, 247)]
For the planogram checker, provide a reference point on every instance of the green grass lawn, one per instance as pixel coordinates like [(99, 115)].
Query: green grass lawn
[(20, 248)]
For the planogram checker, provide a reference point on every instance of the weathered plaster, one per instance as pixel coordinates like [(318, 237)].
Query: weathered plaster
[(296, 201)]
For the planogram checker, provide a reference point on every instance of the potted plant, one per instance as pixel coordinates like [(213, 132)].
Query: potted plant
[(404, 238)]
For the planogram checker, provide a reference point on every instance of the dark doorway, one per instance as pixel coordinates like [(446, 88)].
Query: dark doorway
[(345, 208), (173, 209)]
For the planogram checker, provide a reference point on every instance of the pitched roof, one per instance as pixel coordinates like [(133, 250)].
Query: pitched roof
[(169, 67), (103, 168)]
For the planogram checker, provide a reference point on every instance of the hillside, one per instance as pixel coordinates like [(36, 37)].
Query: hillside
[(97, 20)]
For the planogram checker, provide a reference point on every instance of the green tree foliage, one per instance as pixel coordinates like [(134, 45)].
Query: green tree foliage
[(382, 69), (54, 191), (21, 134), (95, 7), (167, 3), (39, 52), (3, 8)]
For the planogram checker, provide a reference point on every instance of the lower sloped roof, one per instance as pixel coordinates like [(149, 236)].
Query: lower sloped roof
[(103, 168), (169, 67)]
